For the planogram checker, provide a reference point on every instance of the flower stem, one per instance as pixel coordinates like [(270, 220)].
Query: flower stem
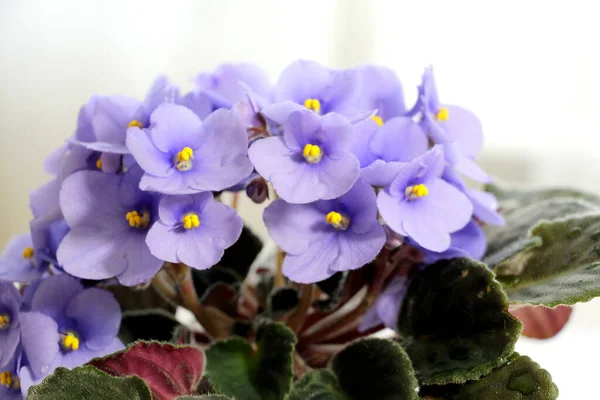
[(279, 280)]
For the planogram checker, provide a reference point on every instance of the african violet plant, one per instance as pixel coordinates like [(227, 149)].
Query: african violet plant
[(374, 225)]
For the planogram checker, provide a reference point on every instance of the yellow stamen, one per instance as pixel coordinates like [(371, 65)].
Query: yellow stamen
[(4, 321), (28, 253), (378, 120), (183, 160), (6, 379), (135, 122), (312, 153), (442, 114), (337, 220), (70, 341), (190, 221), (416, 191), (313, 104), (99, 163), (138, 221)]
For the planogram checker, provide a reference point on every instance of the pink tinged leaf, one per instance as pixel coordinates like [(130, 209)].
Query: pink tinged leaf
[(541, 322), (169, 370)]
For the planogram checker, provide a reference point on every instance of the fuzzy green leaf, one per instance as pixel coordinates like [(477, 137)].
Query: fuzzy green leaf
[(454, 322), (375, 369), (320, 384), (235, 369), (520, 379), (89, 383), (562, 268)]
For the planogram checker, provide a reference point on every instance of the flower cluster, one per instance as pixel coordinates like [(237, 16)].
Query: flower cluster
[(137, 185)]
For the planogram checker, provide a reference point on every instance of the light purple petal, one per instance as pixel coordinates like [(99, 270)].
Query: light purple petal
[(485, 207), (381, 173), (174, 127), (389, 302), (152, 160), (292, 225), (422, 169), (97, 316), (54, 294), (222, 223), (362, 134), (339, 133), (45, 198), (163, 241), (13, 266), (399, 139), (141, 264), (337, 173), (360, 203), (90, 253), (172, 208), (464, 127), (90, 198), (53, 161), (9, 341), (313, 264), (199, 103), (279, 112), (112, 115), (302, 80), (469, 167), (301, 128), (40, 338), (358, 249)]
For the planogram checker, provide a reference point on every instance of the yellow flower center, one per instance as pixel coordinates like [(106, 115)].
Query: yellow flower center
[(313, 104), (312, 153), (416, 191), (378, 120), (7, 379), (337, 220), (183, 159), (4, 321), (28, 253), (442, 114), (138, 221), (69, 341), (190, 221), (135, 122), (99, 163)]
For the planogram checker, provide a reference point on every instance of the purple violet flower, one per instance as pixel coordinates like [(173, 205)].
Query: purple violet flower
[(469, 242), (327, 236), (308, 85), (384, 147), (20, 262), (10, 384), (194, 230), (67, 326), (422, 206), (181, 154), (103, 121), (311, 160), (10, 304), (109, 217), (387, 307), (455, 127), (485, 204), (226, 86)]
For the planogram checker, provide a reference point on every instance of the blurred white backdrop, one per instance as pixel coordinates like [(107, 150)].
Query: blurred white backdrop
[(529, 69)]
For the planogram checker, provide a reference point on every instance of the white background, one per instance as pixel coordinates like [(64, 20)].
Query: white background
[(528, 68)]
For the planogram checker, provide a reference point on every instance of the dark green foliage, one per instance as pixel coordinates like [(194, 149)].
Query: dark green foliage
[(454, 322), (237, 369), (549, 250), (147, 325), (283, 300), (89, 383), (519, 379), (320, 384), (375, 369), (204, 397)]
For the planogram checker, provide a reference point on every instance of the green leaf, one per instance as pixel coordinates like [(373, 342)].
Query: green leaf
[(319, 384), (561, 268), (519, 379), (89, 383), (375, 369), (454, 322), (236, 369)]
